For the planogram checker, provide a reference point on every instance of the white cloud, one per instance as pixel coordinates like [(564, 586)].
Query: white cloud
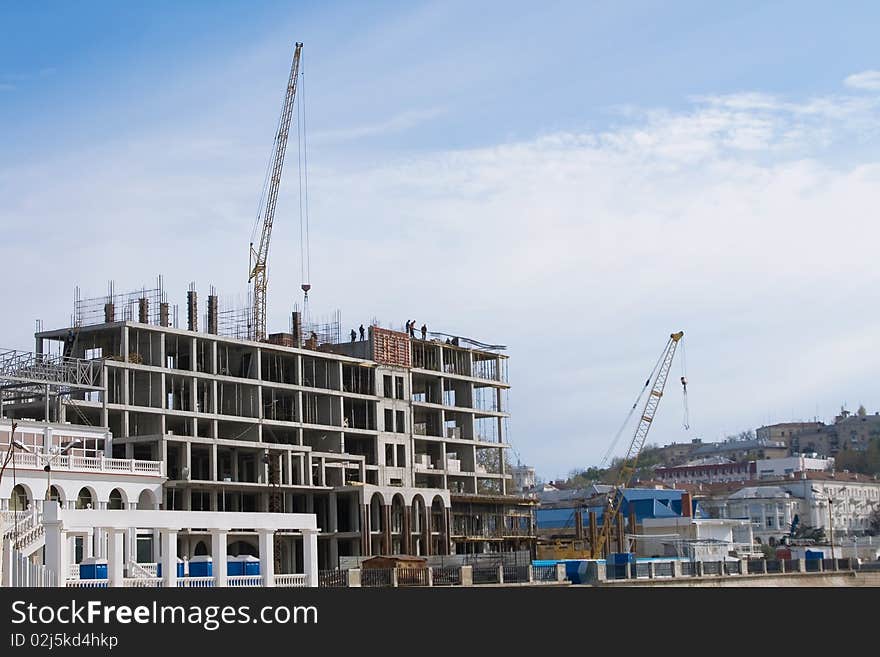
[(398, 123), (868, 80), (580, 250)]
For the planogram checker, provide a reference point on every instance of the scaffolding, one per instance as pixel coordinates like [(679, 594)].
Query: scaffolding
[(323, 330), (147, 305)]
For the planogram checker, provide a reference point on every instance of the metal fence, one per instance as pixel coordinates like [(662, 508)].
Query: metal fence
[(733, 567), (447, 575), (544, 573), (755, 566), (332, 578), (643, 570), (377, 577), (515, 574), (711, 567), (688, 568), (663, 569), (412, 577), (773, 566), (485, 574)]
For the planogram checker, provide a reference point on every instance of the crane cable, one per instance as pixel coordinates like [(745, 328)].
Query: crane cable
[(684, 389), (303, 162), (632, 410)]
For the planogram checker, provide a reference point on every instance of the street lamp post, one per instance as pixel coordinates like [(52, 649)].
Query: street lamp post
[(48, 460)]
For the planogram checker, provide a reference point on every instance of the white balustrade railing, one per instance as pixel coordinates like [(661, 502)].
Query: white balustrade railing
[(87, 583), (141, 569), (244, 580), (195, 582), (26, 573), (142, 582), (73, 571), (292, 580), (87, 463)]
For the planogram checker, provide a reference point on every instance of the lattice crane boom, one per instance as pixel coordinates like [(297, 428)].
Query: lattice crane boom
[(628, 465), (259, 256)]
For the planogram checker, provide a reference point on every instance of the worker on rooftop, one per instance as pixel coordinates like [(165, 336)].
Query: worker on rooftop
[(363, 333), (353, 336), (424, 332)]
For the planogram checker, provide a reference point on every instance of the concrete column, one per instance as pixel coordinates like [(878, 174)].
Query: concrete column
[(354, 577), (310, 556), (467, 575), (560, 573), (386, 537), (169, 558), (157, 541), (56, 545), (6, 563), (406, 536), (267, 556), (365, 530), (88, 543), (650, 570), (332, 517), (698, 568), (212, 456), (114, 557), (676, 569), (218, 556)]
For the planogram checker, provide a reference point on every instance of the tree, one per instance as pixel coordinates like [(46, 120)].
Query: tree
[(874, 522)]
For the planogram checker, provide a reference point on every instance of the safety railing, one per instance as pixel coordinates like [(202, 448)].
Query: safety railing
[(291, 580), (248, 581), (142, 582), (196, 582), (69, 463), (87, 583)]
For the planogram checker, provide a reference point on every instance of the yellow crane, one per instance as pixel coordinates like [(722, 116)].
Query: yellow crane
[(628, 465), (259, 257)]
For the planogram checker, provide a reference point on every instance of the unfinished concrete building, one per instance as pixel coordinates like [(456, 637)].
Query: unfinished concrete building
[(396, 443)]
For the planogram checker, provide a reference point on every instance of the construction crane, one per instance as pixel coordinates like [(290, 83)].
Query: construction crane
[(259, 257), (628, 465)]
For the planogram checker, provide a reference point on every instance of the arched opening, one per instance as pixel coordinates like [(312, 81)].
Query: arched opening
[(239, 548), (117, 500), (377, 524), (417, 526), (399, 544), (18, 499), (146, 501), (201, 550), (54, 495), (438, 534), (85, 499)]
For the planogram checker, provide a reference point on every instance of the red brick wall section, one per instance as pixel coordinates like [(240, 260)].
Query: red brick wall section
[(391, 347)]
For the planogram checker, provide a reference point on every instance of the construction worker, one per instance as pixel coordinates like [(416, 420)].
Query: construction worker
[(363, 333), (353, 334), (424, 332)]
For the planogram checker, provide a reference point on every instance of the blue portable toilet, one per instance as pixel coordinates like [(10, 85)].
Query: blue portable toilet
[(201, 566), (179, 568), (234, 566), (250, 565), (93, 568), (813, 554)]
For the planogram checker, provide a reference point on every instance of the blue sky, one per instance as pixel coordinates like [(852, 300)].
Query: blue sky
[(574, 179)]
